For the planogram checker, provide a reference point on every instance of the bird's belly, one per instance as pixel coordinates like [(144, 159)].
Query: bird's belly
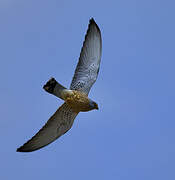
[(78, 101)]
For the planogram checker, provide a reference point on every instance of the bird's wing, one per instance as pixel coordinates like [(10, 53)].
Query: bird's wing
[(89, 62), (57, 125)]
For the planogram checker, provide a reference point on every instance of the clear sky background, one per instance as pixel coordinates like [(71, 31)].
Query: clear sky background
[(132, 136)]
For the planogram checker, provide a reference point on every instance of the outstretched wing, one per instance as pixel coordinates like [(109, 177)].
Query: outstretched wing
[(89, 62), (57, 125)]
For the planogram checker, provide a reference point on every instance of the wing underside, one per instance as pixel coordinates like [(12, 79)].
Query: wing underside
[(89, 62), (57, 125)]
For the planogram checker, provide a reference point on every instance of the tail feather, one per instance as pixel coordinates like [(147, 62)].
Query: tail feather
[(53, 87)]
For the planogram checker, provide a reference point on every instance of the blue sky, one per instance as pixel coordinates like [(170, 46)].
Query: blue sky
[(132, 135)]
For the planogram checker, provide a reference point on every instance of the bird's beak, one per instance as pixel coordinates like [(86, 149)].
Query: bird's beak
[(96, 107)]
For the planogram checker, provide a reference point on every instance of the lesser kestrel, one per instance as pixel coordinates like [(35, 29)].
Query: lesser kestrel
[(76, 98)]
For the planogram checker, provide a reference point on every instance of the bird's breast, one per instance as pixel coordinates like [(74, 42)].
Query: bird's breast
[(78, 101)]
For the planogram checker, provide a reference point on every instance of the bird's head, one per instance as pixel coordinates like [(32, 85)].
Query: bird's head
[(93, 105)]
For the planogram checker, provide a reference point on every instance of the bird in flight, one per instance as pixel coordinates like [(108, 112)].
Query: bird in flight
[(76, 98)]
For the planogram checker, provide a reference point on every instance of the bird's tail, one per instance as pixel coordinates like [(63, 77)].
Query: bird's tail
[(53, 87)]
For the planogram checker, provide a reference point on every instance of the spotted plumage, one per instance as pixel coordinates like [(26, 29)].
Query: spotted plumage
[(79, 101), (76, 98)]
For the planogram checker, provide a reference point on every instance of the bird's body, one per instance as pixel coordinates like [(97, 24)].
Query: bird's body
[(76, 98)]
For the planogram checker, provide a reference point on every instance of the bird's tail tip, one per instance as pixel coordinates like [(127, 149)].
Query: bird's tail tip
[(53, 87), (50, 85)]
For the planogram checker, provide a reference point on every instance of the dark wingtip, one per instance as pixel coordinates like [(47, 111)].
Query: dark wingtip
[(24, 149), (20, 149), (92, 22), (50, 85)]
